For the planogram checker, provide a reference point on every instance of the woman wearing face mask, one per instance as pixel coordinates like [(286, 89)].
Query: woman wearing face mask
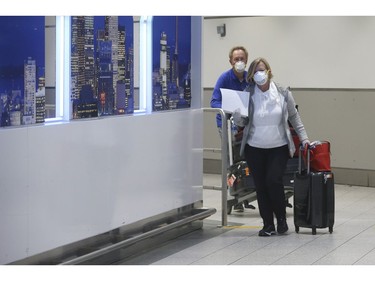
[(234, 79), (267, 142)]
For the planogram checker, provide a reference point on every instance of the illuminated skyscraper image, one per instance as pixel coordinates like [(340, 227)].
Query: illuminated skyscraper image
[(101, 65), (163, 69), (30, 90), (171, 64), (22, 80)]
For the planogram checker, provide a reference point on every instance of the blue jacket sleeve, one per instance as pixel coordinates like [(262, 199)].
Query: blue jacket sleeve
[(216, 94)]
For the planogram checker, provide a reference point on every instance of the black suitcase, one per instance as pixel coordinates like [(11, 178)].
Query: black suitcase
[(314, 198)]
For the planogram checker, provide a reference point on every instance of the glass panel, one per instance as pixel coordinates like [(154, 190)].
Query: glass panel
[(22, 70), (171, 63), (102, 67)]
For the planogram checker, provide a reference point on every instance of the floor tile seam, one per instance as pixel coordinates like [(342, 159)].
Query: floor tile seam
[(217, 250), (327, 254), (341, 245), (318, 236), (361, 232), (274, 262), (365, 195), (213, 247), (309, 242), (357, 262), (347, 206), (261, 247), (251, 252), (363, 212), (350, 256), (354, 216), (302, 244), (223, 249), (234, 261)]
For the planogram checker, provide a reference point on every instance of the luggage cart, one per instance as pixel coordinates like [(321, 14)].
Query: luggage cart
[(240, 181)]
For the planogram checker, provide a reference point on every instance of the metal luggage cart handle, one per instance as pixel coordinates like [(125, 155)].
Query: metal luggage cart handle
[(224, 164)]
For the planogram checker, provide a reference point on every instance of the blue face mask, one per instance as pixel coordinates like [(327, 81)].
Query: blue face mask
[(261, 77)]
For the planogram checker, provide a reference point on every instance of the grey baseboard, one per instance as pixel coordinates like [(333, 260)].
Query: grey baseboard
[(127, 241), (354, 177), (345, 176)]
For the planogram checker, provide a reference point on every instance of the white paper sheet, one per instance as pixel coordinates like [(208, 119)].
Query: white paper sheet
[(232, 100)]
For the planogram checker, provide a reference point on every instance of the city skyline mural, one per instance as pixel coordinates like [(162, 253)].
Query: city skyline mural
[(102, 66), (171, 63), (22, 70)]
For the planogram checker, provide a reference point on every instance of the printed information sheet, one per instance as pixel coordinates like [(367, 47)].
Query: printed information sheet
[(232, 100)]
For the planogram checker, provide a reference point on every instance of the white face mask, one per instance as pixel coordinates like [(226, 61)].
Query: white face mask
[(261, 77), (240, 66)]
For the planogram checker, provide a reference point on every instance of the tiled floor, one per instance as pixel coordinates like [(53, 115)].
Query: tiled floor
[(351, 243)]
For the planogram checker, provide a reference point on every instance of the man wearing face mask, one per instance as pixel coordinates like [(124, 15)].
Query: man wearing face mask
[(234, 79), (267, 143)]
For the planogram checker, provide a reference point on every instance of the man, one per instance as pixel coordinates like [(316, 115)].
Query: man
[(234, 79)]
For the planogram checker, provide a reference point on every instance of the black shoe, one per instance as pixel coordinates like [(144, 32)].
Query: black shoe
[(238, 208), (267, 231), (282, 226)]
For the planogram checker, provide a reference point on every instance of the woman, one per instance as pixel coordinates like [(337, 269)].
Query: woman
[(267, 142)]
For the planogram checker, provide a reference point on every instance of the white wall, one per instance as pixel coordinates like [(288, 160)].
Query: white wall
[(328, 62), (304, 51)]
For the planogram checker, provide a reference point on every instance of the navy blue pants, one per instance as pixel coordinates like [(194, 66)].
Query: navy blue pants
[(267, 167)]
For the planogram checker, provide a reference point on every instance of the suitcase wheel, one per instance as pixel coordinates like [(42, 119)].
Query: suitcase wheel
[(314, 230), (330, 229), (297, 228), (288, 204)]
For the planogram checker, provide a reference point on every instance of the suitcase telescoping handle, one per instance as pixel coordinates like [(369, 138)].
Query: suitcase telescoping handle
[(301, 150)]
